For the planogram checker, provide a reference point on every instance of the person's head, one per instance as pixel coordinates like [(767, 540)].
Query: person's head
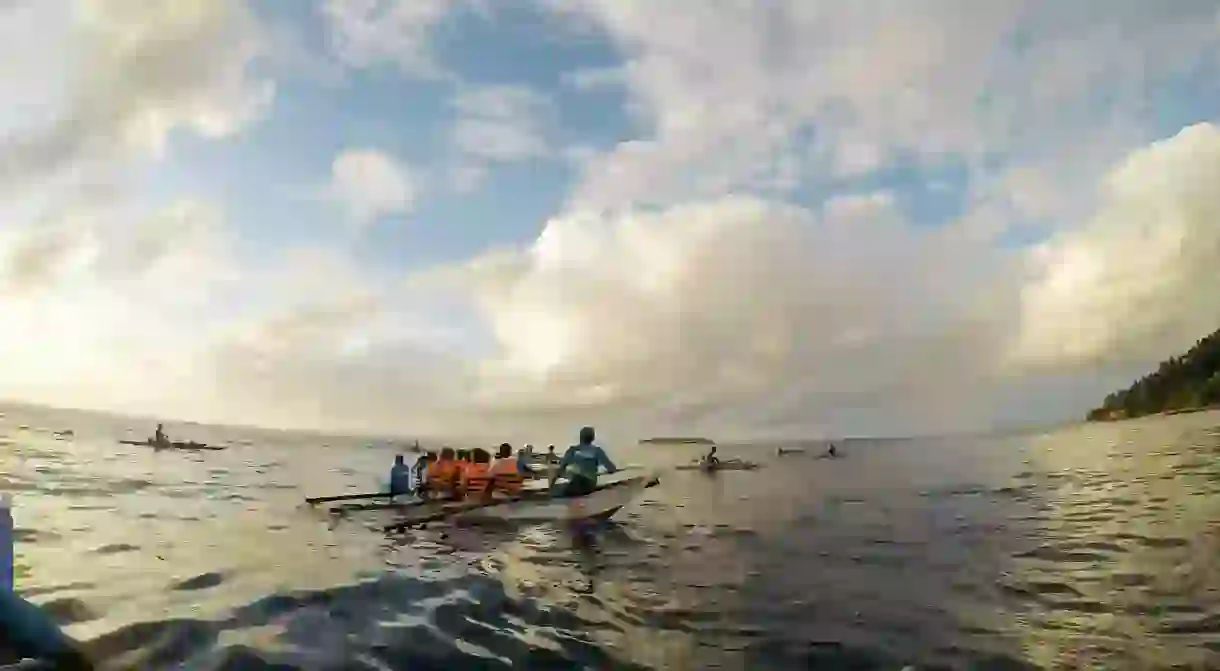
[(160, 426), (550, 448), (713, 450), (398, 460), (480, 456), (447, 454), (529, 447), (506, 451), (586, 436)]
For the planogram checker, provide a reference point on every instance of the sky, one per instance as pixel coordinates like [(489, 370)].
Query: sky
[(740, 219)]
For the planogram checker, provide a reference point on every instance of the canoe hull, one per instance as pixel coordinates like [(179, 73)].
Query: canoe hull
[(535, 507), (601, 504), (189, 447)]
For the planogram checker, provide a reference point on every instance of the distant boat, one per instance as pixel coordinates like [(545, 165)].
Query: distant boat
[(677, 441), (189, 446)]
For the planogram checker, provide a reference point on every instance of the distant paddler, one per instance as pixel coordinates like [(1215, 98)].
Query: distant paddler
[(581, 463), (710, 460), (159, 438)]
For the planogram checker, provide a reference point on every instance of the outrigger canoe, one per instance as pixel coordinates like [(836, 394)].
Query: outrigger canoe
[(195, 447), (727, 465), (529, 507)]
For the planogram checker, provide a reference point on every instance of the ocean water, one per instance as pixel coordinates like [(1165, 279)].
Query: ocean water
[(1090, 547)]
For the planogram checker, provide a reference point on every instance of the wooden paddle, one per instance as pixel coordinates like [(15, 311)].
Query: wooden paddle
[(350, 497)]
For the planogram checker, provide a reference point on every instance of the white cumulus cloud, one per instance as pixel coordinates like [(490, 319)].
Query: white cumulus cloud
[(132, 72), (371, 32), (1137, 281), (370, 184), (706, 311), (849, 86)]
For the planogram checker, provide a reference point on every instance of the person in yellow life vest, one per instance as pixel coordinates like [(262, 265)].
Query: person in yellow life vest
[(476, 478), (506, 478), (444, 476)]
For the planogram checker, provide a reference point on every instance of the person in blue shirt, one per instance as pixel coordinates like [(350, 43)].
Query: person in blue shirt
[(400, 477), (524, 462), (581, 463)]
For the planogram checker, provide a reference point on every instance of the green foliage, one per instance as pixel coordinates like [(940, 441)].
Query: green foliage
[(1188, 382)]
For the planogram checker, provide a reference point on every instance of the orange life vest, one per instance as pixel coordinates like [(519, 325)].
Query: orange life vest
[(444, 475), (508, 479), (475, 480)]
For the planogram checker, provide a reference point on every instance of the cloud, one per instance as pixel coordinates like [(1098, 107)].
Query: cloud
[(141, 286), (1136, 282), (305, 337), (749, 258), (844, 87), (734, 306), (742, 315), (735, 316), (501, 123), (370, 185), (498, 125), (94, 239), (136, 73), (343, 365), (365, 33)]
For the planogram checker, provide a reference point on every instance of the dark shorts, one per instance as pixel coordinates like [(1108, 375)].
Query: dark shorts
[(578, 486)]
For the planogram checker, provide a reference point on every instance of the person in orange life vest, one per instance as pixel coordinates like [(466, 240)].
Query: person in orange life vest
[(444, 474), (506, 477), (476, 479), (463, 462)]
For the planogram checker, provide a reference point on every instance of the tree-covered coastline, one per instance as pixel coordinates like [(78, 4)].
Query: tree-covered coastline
[(1180, 384)]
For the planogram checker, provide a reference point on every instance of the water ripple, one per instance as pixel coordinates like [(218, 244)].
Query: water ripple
[(1092, 545)]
